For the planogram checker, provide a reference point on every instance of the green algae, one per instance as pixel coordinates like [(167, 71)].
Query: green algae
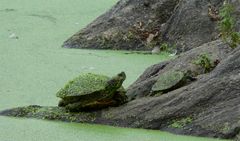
[(84, 84), (58, 131), (205, 63), (181, 122)]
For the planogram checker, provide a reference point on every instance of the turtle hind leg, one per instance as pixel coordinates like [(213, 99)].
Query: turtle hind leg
[(120, 98)]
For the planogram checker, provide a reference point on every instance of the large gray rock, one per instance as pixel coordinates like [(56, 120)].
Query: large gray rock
[(216, 50), (126, 26), (140, 24), (191, 25)]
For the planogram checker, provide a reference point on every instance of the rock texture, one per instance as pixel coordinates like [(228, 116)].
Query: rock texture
[(126, 26), (145, 24), (208, 106), (216, 50)]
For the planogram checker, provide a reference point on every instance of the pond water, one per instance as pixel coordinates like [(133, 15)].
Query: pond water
[(33, 67)]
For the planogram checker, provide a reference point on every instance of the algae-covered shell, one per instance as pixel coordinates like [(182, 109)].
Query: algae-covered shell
[(168, 80), (83, 85)]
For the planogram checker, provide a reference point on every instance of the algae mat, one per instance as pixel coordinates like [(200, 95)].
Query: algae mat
[(33, 67)]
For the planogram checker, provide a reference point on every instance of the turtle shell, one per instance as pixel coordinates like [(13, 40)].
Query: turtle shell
[(168, 80), (83, 85)]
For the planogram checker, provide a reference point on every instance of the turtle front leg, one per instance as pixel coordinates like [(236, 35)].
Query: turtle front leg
[(74, 107), (62, 103)]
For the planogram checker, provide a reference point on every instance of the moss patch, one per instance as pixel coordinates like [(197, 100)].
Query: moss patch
[(84, 84), (205, 63), (181, 122)]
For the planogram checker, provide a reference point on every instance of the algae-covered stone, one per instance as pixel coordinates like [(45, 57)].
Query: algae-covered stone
[(168, 81), (92, 91)]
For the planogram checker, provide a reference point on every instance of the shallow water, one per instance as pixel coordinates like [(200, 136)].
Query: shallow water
[(33, 67)]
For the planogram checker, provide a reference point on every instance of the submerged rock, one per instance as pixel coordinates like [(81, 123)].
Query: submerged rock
[(92, 91)]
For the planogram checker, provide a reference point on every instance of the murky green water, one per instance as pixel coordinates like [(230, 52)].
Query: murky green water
[(33, 130), (34, 66)]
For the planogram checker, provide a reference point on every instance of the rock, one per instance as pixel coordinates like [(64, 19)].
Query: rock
[(156, 50), (132, 24), (238, 137), (92, 91), (216, 50), (13, 36), (128, 25), (213, 13), (50, 113), (190, 26), (173, 53), (150, 38)]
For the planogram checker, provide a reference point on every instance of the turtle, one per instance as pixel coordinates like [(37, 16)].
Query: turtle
[(171, 80), (92, 91)]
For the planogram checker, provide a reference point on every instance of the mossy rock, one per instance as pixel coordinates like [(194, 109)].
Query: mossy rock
[(92, 91)]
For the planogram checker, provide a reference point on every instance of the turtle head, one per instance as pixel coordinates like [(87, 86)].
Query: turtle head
[(121, 76), (116, 82)]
